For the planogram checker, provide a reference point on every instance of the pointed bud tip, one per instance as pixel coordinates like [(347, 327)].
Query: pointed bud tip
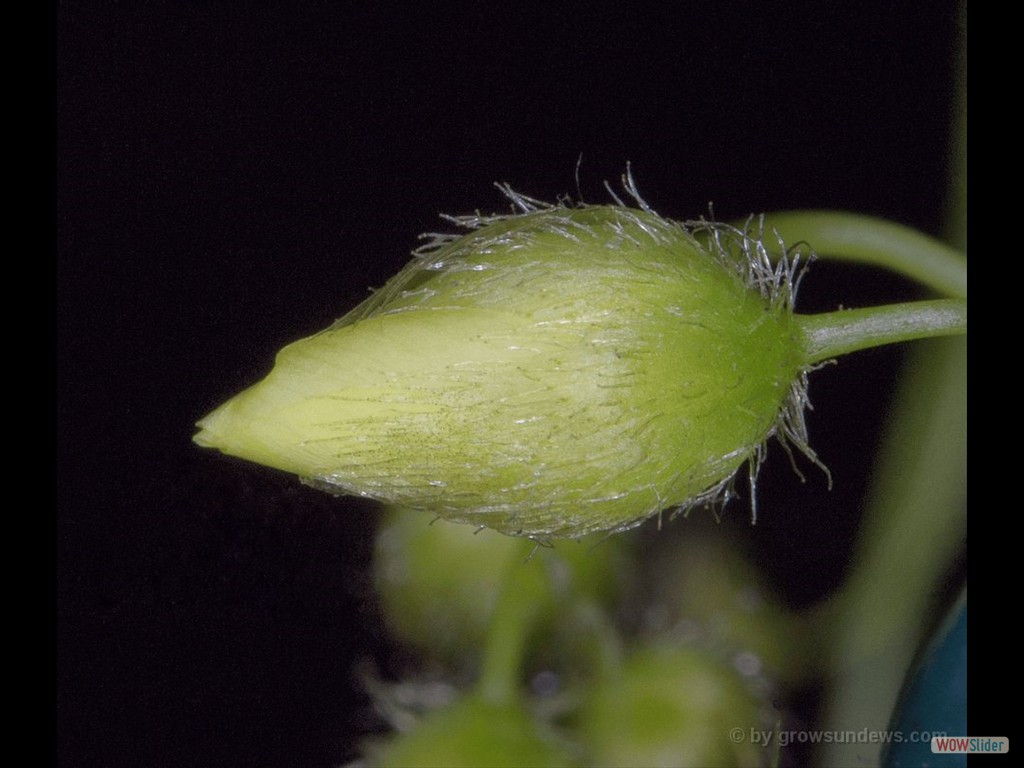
[(210, 427), (554, 373)]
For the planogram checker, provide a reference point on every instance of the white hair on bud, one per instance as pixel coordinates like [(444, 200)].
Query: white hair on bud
[(777, 280), (774, 272)]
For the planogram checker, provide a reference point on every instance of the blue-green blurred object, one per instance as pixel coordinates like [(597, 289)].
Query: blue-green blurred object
[(935, 700)]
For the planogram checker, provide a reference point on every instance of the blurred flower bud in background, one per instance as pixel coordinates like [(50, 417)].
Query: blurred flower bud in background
[(470, 734), (439, 582), (671, 705), (703, 590)]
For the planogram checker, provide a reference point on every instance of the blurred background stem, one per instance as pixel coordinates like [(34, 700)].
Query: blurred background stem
[(916, 521), (513, 619), (869, 240)]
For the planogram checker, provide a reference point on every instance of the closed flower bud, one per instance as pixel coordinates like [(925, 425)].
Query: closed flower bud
[(470, 734), (672, 705), (552, 373), (446, 612)]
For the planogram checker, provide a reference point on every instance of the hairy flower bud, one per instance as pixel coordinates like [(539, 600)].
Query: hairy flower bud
[(551, 373)]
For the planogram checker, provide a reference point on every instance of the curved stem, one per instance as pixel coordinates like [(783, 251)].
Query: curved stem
[(915, 522), (837, 333), (868, 240)]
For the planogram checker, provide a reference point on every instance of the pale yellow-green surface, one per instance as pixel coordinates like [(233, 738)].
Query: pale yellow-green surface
[(549, 374)]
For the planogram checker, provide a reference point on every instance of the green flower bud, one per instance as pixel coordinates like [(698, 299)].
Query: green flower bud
[(470, 734), (446, 612), (552, 373), (671, 706), (705, 583)]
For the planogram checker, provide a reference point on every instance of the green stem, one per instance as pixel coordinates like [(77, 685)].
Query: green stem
[(916, 517), (833, 334), (511, 623), (865, 239)]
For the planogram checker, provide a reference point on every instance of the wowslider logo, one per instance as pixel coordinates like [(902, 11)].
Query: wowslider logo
[(969, 745)]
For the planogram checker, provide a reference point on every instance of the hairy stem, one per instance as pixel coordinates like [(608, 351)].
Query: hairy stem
[(837, 333)]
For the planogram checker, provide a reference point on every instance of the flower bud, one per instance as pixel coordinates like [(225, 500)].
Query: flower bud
[(446, 612), (552, 373), (472, 733), (671, 705)]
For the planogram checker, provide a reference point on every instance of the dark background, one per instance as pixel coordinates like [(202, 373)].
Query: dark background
[(234, 176)]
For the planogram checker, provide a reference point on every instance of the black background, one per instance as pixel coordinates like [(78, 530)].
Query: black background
[(234, 176)]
